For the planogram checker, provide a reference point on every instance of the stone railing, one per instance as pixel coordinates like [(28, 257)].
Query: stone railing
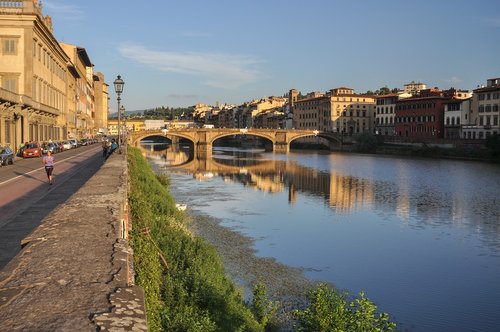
[(19, 7)]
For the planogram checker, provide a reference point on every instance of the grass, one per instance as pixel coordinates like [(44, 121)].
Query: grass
[(183, 276)]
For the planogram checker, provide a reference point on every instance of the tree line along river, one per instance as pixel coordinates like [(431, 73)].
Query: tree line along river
[(421, 237)]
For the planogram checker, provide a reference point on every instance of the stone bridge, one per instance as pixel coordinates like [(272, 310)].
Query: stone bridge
[(203, 138)]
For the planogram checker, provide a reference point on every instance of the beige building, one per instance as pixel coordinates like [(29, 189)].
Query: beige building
[(33, 73), (485, 111), (46, 88), (101, 105), (414, 88), (84, 90), (340, 110)]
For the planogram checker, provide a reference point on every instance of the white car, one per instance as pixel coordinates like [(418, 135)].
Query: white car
[(73, 142), (67, 145)]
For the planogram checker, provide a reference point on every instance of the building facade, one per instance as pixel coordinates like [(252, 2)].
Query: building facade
[(485, 111), (421, 117), (32, 76), (456, 114), (39, 82), (340, 110)]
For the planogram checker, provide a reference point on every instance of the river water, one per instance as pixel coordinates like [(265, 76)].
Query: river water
[(420, 237)]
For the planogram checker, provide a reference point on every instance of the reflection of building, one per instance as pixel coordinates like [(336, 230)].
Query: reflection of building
[(347, 191)]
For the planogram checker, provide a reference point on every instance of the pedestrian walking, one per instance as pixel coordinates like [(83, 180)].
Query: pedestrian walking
[(105, 148), (48, 161)]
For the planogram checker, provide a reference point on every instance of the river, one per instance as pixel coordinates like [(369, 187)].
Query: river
[(421, 237)]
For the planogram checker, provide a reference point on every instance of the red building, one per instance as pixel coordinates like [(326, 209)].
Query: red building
[(422, 117)]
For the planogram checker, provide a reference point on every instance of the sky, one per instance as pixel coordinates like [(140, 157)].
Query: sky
[(180, 53)]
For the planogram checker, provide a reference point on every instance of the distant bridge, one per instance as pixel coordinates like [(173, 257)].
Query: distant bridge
[(203, 138)]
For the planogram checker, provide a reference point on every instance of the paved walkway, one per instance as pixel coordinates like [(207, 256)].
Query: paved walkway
[(74, 272)]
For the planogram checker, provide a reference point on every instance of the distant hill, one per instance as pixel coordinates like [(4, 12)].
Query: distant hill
[(127, 113)]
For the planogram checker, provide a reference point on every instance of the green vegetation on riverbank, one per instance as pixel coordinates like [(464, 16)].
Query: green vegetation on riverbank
[(183, 277)]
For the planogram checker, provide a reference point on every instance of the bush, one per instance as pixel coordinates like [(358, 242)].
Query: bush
[(329, 311), (263, 310)]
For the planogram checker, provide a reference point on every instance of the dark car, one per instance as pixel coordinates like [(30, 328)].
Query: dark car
[(6, 156), (32, 150), (50, 146)]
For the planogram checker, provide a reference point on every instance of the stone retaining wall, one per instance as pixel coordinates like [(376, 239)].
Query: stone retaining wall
[(75, 272)]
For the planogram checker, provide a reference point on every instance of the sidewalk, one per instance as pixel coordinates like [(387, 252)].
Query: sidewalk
[(74, 272)]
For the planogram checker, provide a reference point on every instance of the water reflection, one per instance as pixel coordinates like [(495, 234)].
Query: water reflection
[(417, 198)]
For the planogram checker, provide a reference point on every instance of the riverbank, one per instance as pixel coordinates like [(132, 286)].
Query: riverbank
[(284, 284)]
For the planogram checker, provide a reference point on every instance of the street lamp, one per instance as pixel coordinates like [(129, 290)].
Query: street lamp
[(122, 113), (119, 83)]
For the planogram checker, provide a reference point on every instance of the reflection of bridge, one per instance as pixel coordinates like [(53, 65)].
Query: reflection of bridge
[(271, 175), (204, 138)]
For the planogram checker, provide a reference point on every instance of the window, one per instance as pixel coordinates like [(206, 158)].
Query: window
[(10, 83), (9, 46)]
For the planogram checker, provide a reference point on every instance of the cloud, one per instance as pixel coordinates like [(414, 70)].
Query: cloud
[(63, 10), (454, 80), (217, 70)]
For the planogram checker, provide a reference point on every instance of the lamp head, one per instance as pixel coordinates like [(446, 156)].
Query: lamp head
[(119, 83)]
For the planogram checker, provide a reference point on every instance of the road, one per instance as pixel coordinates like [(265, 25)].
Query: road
[(26, 197)]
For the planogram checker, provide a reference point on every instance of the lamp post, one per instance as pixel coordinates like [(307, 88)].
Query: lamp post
[(124, 130), (119, 83)]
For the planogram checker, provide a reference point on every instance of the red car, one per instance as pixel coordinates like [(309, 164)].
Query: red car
[(32, 150)]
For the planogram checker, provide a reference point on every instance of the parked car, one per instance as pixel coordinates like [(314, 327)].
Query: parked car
[(73, 142), (32, 150), (6, 156), (50, 146), (67, 145), (84, 141)]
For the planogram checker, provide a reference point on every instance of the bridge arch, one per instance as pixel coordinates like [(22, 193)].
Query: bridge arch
[(137, 139), (243, 133)]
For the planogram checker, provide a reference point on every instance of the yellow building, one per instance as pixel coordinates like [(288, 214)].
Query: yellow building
[(32, 76), (84, 90), (340, 110), (101, 103), (46, 88)]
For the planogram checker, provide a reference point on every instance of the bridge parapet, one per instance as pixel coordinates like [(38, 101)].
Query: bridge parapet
[(203, 138)]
